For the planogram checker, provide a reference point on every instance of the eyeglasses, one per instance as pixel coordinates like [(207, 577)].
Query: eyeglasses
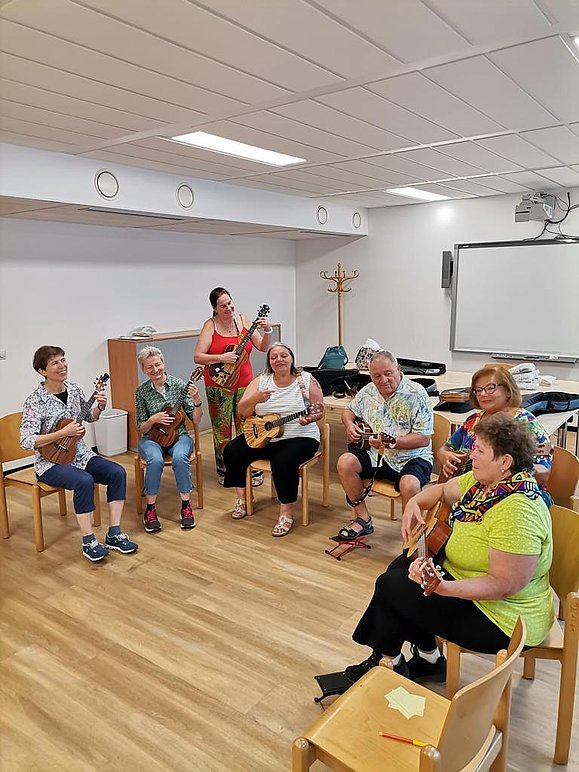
[(490, 388)]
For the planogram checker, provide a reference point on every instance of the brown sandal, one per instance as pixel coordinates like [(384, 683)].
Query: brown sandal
[(283, 526)]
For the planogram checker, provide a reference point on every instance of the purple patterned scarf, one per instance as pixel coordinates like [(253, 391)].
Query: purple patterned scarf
[(471, 509)]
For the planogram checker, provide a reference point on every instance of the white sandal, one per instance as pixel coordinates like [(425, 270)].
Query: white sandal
[(239, 511), (283, 526)]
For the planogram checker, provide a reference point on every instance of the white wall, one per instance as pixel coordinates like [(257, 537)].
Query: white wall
[(77, 285), (397, 300)]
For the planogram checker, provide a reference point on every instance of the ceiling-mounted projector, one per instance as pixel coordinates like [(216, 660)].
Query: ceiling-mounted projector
[(535, 206)]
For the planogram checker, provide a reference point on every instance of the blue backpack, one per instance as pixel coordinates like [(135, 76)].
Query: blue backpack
[(334, 358)]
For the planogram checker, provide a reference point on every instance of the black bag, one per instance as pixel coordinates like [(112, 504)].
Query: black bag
[(429, 384), (340, 382), (418, 367), (550, 402)]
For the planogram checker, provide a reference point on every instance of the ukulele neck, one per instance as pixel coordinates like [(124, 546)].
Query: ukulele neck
[(286, 419)]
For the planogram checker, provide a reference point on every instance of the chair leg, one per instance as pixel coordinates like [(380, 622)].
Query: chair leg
[(62, 502), (326, 478), (566, 704), (452, 669), (248, 492), (303, 755), (529, 668), (392, 514), (304, 474), (199, 480), (4, 523), (96, 519), (502, 720), (37, 519), (139, 480)]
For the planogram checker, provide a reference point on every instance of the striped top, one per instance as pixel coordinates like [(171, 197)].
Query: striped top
[(285, 401)]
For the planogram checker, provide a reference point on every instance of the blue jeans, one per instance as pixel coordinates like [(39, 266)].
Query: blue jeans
[(151, 452), (81, 481)]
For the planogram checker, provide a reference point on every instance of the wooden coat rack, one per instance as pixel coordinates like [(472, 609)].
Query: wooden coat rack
[(339, 278)]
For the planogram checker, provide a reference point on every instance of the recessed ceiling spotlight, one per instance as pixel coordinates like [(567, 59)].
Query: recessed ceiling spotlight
[(238, 149), (422, 195)]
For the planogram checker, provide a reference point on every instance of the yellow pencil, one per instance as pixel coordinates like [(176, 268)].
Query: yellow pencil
[(408, 740)]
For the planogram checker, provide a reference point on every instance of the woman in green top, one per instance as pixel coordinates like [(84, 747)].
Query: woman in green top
[(495, 568)]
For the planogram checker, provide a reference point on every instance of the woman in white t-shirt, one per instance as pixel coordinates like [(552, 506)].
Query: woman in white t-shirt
[(284, 390)]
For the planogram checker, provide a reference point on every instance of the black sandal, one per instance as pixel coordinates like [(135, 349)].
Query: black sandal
[(347, 533)]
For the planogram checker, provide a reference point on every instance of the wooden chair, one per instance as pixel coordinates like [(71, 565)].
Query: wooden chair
[(442, 432), (322, 454), (468, 732), (560, 644), (25, 479), (195, 458), (562, 482)]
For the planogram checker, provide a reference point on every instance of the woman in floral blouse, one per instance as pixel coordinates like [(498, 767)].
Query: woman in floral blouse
[(57, 398)]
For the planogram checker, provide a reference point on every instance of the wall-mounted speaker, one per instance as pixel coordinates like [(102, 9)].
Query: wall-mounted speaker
[(447, 264)]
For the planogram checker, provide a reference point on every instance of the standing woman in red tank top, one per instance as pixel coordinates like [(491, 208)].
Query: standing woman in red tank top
[(224, 329)]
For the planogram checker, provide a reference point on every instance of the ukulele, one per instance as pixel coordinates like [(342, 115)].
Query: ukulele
[(226, 374), (63, 451), (428, 539), (259, 430), (166, 435), (369, 434), (464, 465)]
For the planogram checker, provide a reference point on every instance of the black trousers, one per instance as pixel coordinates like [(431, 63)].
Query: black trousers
[(285, 458), (399, 612)]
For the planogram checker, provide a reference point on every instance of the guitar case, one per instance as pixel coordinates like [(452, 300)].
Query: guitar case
[(420, 367), (339, 382)]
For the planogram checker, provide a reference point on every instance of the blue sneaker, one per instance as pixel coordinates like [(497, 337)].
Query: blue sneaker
[(121, 543), (94, 551)]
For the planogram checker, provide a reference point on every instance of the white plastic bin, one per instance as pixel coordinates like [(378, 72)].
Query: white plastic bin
[(111, 432)]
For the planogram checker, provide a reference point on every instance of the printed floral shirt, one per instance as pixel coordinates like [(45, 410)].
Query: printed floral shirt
[(149, 401), (40, 413), (462, 441), (407, 411)]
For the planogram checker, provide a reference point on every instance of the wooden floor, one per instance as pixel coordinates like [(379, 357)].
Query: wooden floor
[(199, 652)]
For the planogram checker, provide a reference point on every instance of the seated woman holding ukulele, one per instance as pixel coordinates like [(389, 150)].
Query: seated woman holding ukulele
[(297, 400), (493, 390), (495, 568), (155, 422)]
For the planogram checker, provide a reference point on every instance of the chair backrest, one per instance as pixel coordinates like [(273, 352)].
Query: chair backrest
[(564, 571), (472, 710), (442, 431), (191, 425), (10, 449), (563, 477)]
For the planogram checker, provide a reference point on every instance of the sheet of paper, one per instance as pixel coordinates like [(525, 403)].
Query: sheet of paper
[(407, 703)]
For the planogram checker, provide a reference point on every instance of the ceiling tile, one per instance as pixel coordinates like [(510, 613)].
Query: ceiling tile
[(372, 108), (383, 176), (75, 107), (530, 180), (89, 89), (547, 71), (566, 13), (200, 30), (500, 184), (486, 22), (72, 138), (420, 95), (270, 141), (298, 131), (408, 30), (441, 162), (307, 31), (558, 141), (59, 121), (325, 118), (478, 156), (444, 190), (465, 186), (134, 156), (562, 175), (486, 88), (515, 149), (71, 57)]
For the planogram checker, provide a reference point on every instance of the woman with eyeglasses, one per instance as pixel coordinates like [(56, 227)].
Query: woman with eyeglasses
[(493, 390)]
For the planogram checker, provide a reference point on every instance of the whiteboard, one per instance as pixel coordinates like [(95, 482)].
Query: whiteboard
[(516, 298)]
